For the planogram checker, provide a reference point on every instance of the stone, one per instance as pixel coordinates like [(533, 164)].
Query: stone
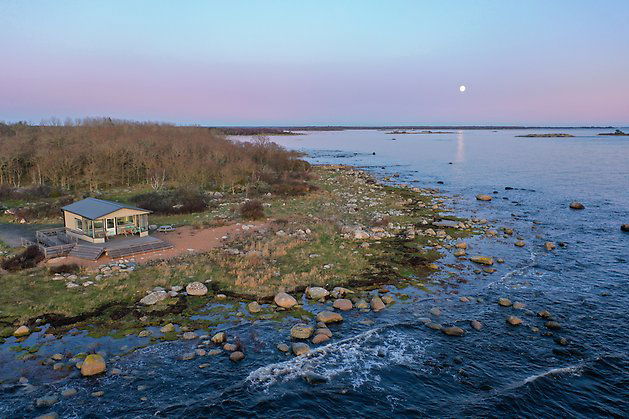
[(483, 197), (300, 348), (362, 304), (435, 311), (377, 304), (483, 260), (168, 328), (154, 298), (254, 307), (196, 288), (69, 392), (320, 338), (230, 347), (329, 317), (301, 331), (434, 326), (476, 325), (49, 415), (188, 356), (314, 378), (189, 335), (461, 245), (282, 347), (323, 331), (200, 352), (204, 365), (144, 333), (520, 243), (339, 292), (221, 297), (343, 304), (544, 314), (46, 401), (284, 300), (22, 331), (514, 321), (93, 364), (552, 325), (576, 205), (219, 337), (215, 352), (57, 357), (464, 299), (236, 356), (624, 227), (316, 293), (518, 305), (453, 331), (460, 253), (387, 299), (505, 302), (98, 393), (549, 246)]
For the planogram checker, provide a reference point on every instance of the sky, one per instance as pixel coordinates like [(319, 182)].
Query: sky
[(321, 62)]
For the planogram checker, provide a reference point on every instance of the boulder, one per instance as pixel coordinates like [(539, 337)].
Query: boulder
[(236, 356), (435, 311), (483, 197), (300, 348), (476, 325), (168, 328), (544, 314), (284, 300), (231, 347), (518, 305), (92, 365), (220, 337), (316, 293), (505, 302), (254, 307), (282, 347), (189, 335), (46, 401), (329, 317), (387, 299), (301, 331), (320, 338), (22, 331), (482, 260), (154, 298), (549, 246), (461, 245), (453, 331), (323, 331), (339, 292), (377, 304), (196, 288), (514, 321), (520, 243), (552, 325), (624, 227), (576, 205), (343, 304), (362, 304)]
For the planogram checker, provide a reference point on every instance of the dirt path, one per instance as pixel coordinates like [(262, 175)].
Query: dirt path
[(184, 239)]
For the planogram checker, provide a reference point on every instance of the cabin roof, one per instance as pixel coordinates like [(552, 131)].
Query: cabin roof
[(93, 208)]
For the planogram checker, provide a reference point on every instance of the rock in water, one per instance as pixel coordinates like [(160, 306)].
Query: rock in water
[(476, 325), (167, 328), (377, 304), (329, 317), (387, 299), (196, 288), (236, 356), (514, 321), (343, 304), (461, 245), (553, 325), (624, 227), (92, 365), (220, 337), (576, 205), (316, 293), (483, 260), (314, 378), (320, 338), (544, 314), (282, 347), (300, 348), (254, 307), (22, 331), (505, 302), (549, 246), (453, 331), (483, 197), (520, 243), (301, 331), (284, 300)]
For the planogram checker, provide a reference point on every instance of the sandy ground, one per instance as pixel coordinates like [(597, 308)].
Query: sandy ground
[(184, 239)]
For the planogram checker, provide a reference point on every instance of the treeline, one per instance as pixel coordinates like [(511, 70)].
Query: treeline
[(97, 154)]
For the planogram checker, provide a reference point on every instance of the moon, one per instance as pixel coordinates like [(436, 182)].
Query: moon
[(462, 88)]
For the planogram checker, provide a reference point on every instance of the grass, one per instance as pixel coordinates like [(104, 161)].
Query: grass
[(303, 244)]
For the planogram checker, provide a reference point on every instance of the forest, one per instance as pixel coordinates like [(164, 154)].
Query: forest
[(96, 154)]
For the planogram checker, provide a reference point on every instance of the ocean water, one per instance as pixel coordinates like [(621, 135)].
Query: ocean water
[(396, 366)]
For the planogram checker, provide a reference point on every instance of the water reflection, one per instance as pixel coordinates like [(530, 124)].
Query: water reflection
[(460, 147)]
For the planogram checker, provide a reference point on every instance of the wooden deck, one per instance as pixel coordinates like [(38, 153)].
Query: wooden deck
[(55, 242)]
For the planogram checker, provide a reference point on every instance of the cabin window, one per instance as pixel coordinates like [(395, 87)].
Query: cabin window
[(78, 223), (110, 223), (98, 224)]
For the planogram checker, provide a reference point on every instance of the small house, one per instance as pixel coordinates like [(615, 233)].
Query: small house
[(96, 220)]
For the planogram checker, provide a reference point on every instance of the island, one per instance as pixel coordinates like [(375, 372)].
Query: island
[(420, 132), (617, 132), (549, 135)]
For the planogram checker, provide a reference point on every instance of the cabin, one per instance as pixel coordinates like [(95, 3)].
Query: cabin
[(96, 220)]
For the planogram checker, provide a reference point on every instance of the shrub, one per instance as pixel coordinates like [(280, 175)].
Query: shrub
[(252, 210), (29, 258), (176, 201), (66, 268)]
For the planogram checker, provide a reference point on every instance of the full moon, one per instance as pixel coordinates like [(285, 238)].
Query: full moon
[(461, 88)]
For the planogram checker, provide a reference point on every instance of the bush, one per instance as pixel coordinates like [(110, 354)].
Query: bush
[(176, 201), (29, 258), (252, 210), (293, 188)]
